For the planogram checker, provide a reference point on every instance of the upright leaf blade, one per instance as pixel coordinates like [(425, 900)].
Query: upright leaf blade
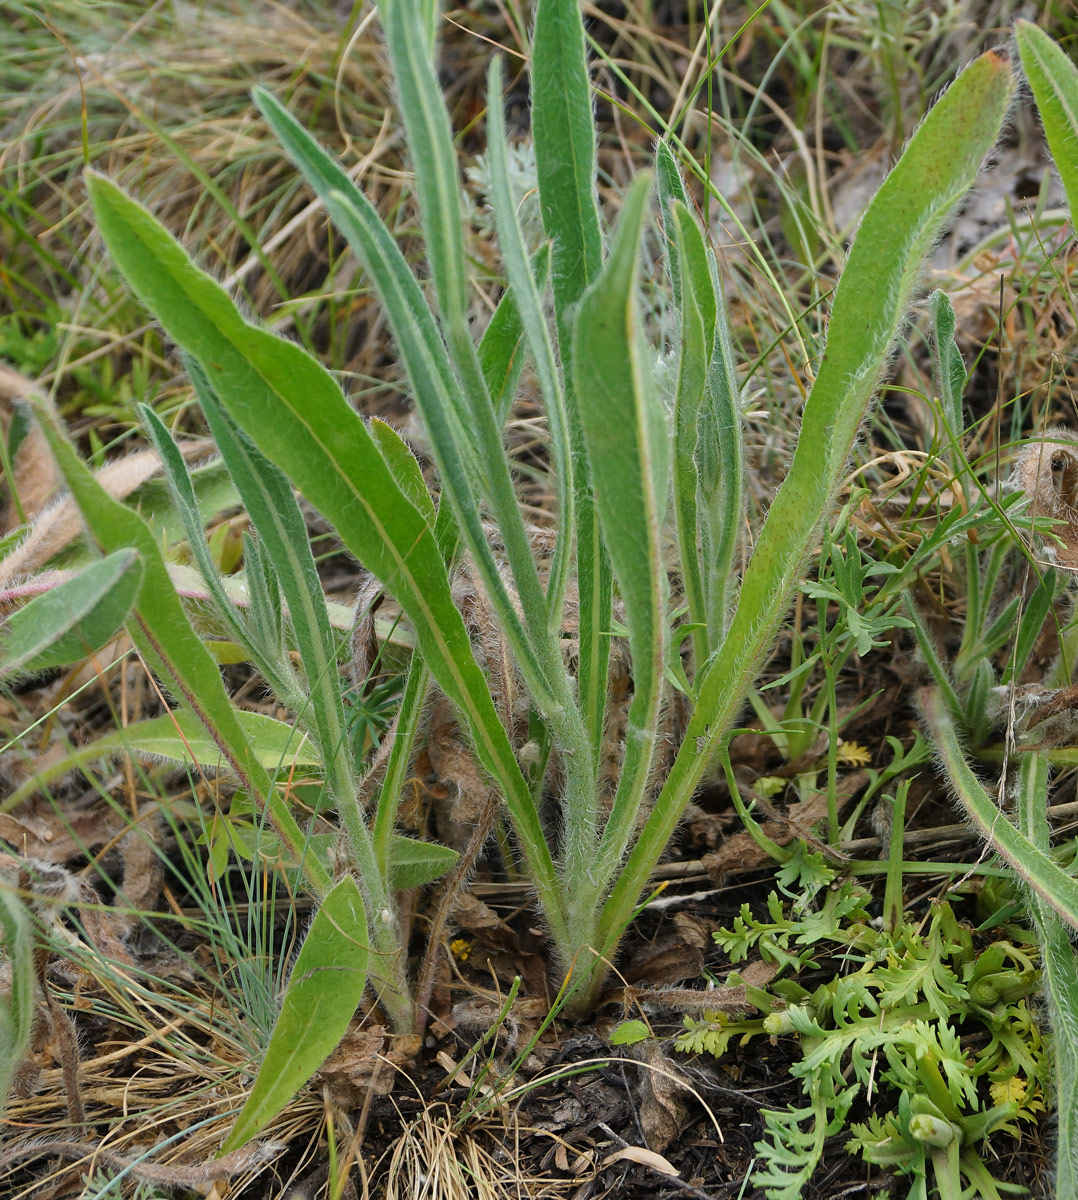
[(17, 1006), (564, 135), (1054, 80), (938, 166), (437, 393), (628, 453)]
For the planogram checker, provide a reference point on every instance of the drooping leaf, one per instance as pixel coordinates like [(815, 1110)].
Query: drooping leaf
[(161, 631), (179, 736), (326, 985), (72, 620)]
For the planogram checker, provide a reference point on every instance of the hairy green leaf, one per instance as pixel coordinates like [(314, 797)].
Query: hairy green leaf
[(72, 620), (326, 985)]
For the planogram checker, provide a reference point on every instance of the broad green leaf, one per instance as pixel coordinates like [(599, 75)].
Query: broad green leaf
[(72, 620), (938, 166), (629, 1033), (166, 640), (628, 454), (179, 736), (298, 418), (1054, 80), (326, 985), (413, 863), (17, 1004)]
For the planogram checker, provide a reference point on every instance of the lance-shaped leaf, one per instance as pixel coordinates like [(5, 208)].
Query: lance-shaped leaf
[(1050, 884), (564, 133), (628, 453), (938, 166), (1054, 80), (297, 416), (430, 142), (180, 737), (73, 619), (326, 985), (166, 640), (17, 1005), (525, 291), (950, 376), (438, 395)]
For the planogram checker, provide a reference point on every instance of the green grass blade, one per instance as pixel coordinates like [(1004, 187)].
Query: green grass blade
[(166, 640), (1053, 78), (939, 164), (628, 452), (74, 619), (298, 418), (1049, 884), (326, 985)]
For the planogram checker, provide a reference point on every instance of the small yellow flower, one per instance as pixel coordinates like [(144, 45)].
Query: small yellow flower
[(770, 785), (460, 948)]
